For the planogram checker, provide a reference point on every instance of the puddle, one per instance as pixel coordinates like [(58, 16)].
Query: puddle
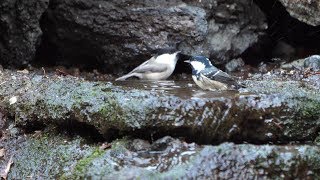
[(183, 88)]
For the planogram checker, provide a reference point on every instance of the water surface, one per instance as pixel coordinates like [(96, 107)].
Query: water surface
[(182, 88)]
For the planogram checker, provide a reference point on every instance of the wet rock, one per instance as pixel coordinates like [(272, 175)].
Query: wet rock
[(20, 32), (286, 28), (43, 156), (269, 109), (122, 34), (13, 131), (297, 64), (304, 10), (314, 79), (55, 156), (140, 145), (312, 62), (262, 67), (234, 65)]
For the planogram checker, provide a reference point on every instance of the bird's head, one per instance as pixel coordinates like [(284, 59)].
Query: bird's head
[(167, 56), (198, 63)]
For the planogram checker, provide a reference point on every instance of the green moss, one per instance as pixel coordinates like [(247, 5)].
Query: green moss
[(94, 165), (47, 155), (310, 109), (80, 168)]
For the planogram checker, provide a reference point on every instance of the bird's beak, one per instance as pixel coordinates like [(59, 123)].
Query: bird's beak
[(187, 61)]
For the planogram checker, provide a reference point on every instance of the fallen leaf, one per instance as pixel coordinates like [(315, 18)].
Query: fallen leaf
[(61, 72), (2, 152), (25, 71), (37, 134), (44, 71), (105, 146), (13, 100), (5, 172)]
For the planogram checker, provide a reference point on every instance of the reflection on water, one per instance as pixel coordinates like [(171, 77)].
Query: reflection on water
[(181, 88)]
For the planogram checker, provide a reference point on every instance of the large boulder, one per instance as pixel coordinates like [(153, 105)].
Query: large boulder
[(305, 10), (20, 32), (55, 156), (122, 34), (269, 109)]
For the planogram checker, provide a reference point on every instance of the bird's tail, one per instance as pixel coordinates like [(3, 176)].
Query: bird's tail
[(122, 78)]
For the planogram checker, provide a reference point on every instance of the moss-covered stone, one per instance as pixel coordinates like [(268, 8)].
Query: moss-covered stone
[(310, 109), (80, 169), (51, 155), (267, 110), (45, 156)]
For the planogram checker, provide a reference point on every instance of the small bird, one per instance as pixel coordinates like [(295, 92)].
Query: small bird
[(208, 77), (158, 67)]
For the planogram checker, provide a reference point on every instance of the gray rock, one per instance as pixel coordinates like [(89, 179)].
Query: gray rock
[(140, 145), (304, 10), (234, 65), (297, 64), (278, 110), (312, 62), (55, 156), (122, 34), (262, 67), (20, 32)]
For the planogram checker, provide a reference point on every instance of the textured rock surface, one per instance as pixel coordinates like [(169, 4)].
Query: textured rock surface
[(54, 156), (234, 65), (268, 110), (20, 32), (64, 118), (311, 62), (123, 33), (307, 11)]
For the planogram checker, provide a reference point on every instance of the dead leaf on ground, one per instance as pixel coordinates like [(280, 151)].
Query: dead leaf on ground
[(13, 100), (25, 71), (5, 172), (2, 152), (61, 72), (37, 133), (105, 146)]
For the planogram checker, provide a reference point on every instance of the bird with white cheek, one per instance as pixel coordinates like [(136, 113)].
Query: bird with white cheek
[(208, 77), (158, 67)]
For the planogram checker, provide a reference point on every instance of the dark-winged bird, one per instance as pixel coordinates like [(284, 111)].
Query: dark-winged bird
[(208, 77)]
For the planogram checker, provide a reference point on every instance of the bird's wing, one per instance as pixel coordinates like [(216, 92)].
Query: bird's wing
[(218, 75), (151, 68), (144, 63)]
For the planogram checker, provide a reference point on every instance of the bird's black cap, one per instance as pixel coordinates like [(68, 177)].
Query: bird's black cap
[(184, 57), (201, 59)]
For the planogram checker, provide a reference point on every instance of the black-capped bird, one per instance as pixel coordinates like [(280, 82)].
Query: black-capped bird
[(208, 77), (159, 67)]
